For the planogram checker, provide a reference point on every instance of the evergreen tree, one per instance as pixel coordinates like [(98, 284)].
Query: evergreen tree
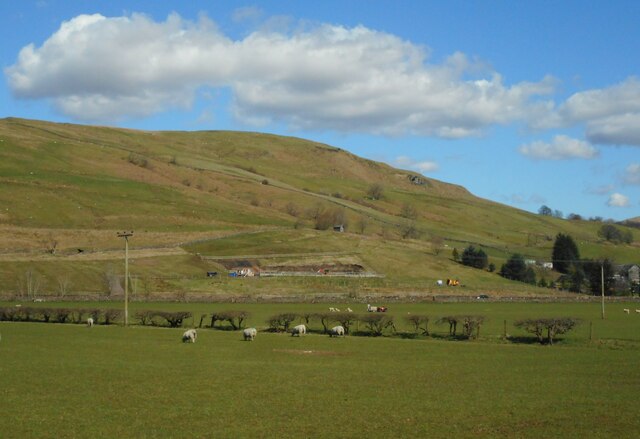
[(515, 268), (476, 258), (565, 253)]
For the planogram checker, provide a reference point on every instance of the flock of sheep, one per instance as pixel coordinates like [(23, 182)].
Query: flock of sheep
[(627, 310), (249, 334)]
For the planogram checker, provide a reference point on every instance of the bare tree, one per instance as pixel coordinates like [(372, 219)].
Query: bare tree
[(29, 283), (361, 225), (408, 211), (64, 284), (419, 322), (50, 244), (375, 191), (409, 230), (552, 327), (437, 243), (377, 323), (292, 209)]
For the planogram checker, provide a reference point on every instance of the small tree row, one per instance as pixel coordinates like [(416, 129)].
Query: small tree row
[(173, 319), (59, 315)]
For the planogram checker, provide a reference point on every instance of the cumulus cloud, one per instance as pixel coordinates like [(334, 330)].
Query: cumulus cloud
[(324, 77), (618, 200), (423, 167), (621, 129), (611, 114), (600, 190), (632, 174), (562, 147)]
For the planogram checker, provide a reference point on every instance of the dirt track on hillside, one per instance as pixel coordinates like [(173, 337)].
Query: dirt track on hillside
[(93, 256)]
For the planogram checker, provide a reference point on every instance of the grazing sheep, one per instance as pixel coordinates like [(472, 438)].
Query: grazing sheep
[(336, 331), (249, 334), (89, 322), (349, 310), (638, 311), (332, 309), (626, 310), (299, 330), (189, 336)]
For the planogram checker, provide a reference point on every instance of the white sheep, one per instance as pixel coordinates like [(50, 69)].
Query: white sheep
[(332, 309), (249, 334), (349, 310), (90, 322), (299, 330), (626, 310), (336, 331), (189, 336), (638, 311)]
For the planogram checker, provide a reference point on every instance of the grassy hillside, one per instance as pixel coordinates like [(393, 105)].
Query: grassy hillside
[(194, 198)]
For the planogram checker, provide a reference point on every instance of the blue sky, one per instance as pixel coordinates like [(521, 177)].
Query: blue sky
[(526, 103)]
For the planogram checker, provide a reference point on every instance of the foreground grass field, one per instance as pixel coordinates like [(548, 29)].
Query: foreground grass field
[(110, 381)]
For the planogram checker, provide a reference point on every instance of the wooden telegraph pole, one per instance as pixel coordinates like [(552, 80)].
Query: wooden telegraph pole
[(126, 236), (602, 286)]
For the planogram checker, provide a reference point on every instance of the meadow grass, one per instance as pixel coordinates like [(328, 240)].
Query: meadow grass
[(70, 381)]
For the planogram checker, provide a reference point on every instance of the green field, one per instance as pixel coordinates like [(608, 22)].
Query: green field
[(110, 381)]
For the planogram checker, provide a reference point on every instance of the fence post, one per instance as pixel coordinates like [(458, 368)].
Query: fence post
[(590, 330), (504, 330)]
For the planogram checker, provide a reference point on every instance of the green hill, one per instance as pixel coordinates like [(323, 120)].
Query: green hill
[(204, 201)]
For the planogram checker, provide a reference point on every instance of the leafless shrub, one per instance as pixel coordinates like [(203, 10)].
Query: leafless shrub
[(419, 322), (139, 160), (409, 211), (235, 319), (281, 322), (325, 320), (452, 321), (292, 209), (375, 191), (61, 315), (174, 319), (552, 327), (470, 324), (29, 283), (64, 284), (110, 315), (145, 317), (377, 323), (346, 319)]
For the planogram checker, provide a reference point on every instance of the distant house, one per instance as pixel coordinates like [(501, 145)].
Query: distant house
[(547, 265), (338, 228), (629, 272), (633, 273)]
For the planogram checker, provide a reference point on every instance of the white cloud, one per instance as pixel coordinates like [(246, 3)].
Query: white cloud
[(600, 190), (621, 129), (618, 200), (632, 174), (562, 147), (248, 13), (611, 114), (325, 77), (423, 167)]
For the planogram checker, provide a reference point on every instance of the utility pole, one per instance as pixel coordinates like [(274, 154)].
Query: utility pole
[(602, 286), (126, 236)]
